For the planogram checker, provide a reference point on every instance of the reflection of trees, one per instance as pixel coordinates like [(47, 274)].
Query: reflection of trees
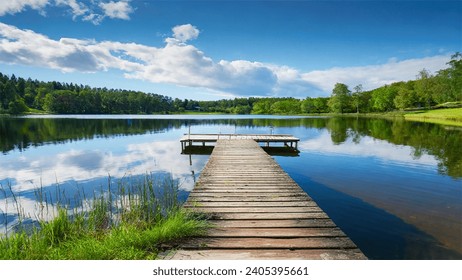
[(424, 138), (338, 130), (21, 133)]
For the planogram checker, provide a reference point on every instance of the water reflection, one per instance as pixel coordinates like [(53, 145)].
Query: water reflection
[(366, 146), (388, 177), (388, 183), (423, 138), (76, 169)]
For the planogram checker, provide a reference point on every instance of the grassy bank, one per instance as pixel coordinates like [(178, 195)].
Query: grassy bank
[(451, 117), (131, 225)]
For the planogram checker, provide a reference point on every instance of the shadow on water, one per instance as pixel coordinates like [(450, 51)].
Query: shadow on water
[(272, 151), (379, 234)]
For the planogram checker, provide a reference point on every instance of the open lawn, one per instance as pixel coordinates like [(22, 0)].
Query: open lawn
[(452, 116)]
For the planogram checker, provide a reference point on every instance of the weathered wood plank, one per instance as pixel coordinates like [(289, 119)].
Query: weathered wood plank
[(281, 254), (276, 181), (291, 223), (219, 210), (257, 203), (240, 194), (246, 187), (270, 243), (275, 232), (270, 216), (250, 199), (249, 190)]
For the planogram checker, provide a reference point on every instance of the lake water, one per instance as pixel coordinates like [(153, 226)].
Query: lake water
[(395, 187)]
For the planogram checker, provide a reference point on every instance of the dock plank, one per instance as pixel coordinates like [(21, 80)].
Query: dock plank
[(281, 254), (206, 204), (248, 210), (255, 224), (256, 210), (270, 243), (275, 232)]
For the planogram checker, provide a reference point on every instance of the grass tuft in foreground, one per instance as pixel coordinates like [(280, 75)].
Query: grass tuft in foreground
[(136, 224)]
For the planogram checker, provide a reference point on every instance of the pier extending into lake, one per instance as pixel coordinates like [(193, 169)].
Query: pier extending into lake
[(267, 139), (258, 212)]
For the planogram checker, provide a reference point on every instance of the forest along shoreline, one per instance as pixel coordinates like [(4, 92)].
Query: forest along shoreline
[(413, 99)]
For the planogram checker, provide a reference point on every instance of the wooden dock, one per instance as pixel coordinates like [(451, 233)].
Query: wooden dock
[(267, 139), (259, 212)]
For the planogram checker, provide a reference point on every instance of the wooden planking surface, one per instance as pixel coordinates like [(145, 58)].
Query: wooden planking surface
[(270, 254), (258, 212), (255, 137)]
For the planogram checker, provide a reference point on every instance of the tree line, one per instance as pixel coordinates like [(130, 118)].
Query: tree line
[(18, 95)]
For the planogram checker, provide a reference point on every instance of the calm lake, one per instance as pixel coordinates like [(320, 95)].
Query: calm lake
[(393, 186)]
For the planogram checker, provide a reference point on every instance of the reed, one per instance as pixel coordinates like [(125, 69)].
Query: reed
[(134, 220)]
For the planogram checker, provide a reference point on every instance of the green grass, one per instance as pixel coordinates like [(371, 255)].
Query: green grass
[(33, 111), (67, 239), (134, 225), (451, 117), (200, 113)]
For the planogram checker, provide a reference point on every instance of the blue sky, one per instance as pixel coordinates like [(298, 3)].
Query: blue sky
[(217, 49)]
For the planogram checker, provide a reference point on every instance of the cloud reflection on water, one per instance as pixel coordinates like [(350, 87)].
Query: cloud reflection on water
[(30, 171), (390, 177), (366, 147)]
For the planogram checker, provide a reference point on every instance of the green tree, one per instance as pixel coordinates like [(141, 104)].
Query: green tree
[(262, 107), (307, 106), (242, 109), (290, 106), (382, 98), (441, 89), (320, 104), (423, 87), (17, 107), (356, 99), (451, 79), (7, 93), (405, 97), (339, 101)]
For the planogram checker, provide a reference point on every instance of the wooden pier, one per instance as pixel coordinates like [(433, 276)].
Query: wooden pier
[(267, 139), (258, 211)]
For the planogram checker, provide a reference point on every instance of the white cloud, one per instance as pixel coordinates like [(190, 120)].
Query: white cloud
[(182, 64), (94, 11), (118, 10), (184, 33), (16, 6), (29, 48), (77, 8), (374, 76)]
